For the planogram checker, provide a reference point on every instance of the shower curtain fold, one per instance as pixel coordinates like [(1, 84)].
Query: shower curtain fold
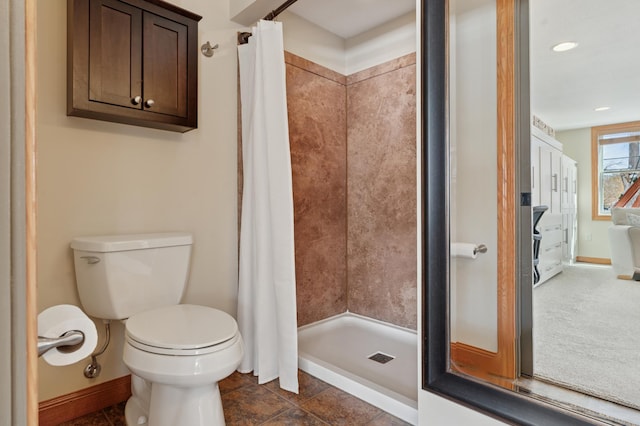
[(267, 286)]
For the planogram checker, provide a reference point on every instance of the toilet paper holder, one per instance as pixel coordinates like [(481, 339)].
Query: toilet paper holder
[(67, 342)]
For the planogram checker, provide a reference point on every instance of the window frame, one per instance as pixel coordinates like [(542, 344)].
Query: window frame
[(596, 133)]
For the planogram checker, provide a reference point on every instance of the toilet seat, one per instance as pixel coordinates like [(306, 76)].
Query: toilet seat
[(182, 330)]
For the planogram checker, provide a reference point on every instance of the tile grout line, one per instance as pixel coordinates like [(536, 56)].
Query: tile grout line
[(294, 408), (291, 404), (106, 416), (113, 420), (297, 404)]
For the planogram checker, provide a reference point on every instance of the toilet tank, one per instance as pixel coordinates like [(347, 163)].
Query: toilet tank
[(120, 275)]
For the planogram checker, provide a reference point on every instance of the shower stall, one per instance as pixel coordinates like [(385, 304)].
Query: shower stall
[(353, 152), (353, 156)]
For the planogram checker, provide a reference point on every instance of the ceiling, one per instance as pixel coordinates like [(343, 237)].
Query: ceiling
[(348, 18), (604, 70)]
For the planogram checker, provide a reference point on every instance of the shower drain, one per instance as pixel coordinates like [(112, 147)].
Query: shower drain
[(381, 358)]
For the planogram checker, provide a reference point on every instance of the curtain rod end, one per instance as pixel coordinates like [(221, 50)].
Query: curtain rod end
[(243, 37)]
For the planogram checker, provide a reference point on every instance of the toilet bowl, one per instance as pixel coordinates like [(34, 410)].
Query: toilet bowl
[(183, 351), (176, 352)]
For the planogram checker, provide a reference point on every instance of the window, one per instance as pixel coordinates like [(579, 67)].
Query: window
[(615, 164)]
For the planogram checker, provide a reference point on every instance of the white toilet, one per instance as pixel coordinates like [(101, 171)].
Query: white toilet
[(176, 353)]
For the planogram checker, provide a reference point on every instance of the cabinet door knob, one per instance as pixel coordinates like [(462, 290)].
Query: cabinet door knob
[(149, 103), (136, 100)]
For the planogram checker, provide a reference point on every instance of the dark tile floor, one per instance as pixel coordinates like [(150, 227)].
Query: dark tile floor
[(247, 403)]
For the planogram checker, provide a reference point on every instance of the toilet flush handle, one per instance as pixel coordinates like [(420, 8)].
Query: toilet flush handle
[(91, 259)]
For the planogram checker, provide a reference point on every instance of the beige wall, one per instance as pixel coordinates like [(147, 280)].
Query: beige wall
[(593, 237), (96, 177)]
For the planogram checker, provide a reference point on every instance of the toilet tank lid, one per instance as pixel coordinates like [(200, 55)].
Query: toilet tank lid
[(108, 243)]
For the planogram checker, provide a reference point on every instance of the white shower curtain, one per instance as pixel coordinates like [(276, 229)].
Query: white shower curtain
[(267, 287)]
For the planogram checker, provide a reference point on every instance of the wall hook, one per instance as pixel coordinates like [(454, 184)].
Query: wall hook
[(207, 49)]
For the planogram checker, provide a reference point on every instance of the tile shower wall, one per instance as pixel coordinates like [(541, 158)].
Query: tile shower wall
[(354, 182), (317, 100), (381, 188)]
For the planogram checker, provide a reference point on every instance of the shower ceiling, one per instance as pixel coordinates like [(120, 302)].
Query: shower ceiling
[(348, 18)]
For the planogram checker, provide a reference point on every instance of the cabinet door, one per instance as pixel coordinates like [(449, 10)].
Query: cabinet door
[(569, 183), (165, 66), (546, 178), (115, 51), (556, 156), (566, 231), (569, 237), (573, 189), (535, 172), (565, 182)]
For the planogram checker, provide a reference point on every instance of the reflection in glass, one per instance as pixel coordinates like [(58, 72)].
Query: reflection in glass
[(473, 180)]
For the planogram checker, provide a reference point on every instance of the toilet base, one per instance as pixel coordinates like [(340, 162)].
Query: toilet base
[(170, 406), (134, 414)]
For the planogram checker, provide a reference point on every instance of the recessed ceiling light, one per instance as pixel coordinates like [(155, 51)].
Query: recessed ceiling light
[(602, 108), (564, 46)]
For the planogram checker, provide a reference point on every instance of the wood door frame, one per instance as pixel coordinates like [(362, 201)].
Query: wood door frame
[(501, 366)]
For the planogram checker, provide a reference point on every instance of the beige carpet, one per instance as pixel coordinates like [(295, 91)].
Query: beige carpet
[(587, 333)]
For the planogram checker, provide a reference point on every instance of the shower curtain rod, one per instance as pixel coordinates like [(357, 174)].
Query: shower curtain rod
[(243, 38)]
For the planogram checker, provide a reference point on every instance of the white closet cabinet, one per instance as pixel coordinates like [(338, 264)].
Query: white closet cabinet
[(546, 165)]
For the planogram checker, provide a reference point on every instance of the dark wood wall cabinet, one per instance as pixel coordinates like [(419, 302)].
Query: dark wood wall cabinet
[(133, 62)]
